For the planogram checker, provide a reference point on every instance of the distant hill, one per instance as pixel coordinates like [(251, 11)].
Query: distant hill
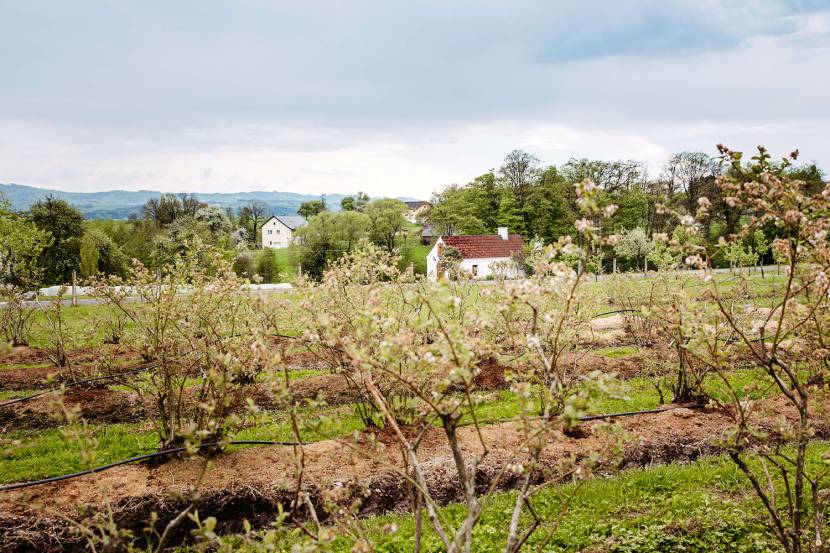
[(120, 204)]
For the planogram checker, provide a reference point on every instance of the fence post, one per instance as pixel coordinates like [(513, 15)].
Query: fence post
[(614, 265), (158, 283), (74, 288), (645, 266)]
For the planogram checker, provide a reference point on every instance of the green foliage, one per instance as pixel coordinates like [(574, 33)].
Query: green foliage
[(267, 266), (347, 204), (65, 225), (326, 237), (168, 208), (243, 264), (311, 208), (89, 256), (385, 222), (179, 239), (21, 247), (509, 215), (454, 211)]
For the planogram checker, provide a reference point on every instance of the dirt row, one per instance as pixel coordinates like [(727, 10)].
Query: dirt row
[(103, 405), (251, 483)]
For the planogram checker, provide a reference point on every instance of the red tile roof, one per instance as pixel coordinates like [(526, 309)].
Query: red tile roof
[(477, 246)]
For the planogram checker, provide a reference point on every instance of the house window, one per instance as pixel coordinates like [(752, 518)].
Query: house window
[(278, 231), (270, 231), (270, 243), (440, 249), (475, 270)]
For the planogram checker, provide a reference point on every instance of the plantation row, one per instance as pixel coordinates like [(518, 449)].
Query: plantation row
[(418, 394)]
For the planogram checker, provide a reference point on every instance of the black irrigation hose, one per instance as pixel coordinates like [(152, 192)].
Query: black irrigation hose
[(627, 414), (617, 311), (21, 485)]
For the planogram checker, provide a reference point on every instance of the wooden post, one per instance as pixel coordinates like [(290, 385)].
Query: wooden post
[(299, 270), (614, 266), (579, 267), (645, 266), (158, 285), (74, 288)]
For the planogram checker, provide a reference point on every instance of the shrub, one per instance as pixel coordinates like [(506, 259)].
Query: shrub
[(267, 265), (197, 324)]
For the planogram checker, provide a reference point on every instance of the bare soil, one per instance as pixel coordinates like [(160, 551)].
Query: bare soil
[(32, 378), (250, 483), (94, 404)]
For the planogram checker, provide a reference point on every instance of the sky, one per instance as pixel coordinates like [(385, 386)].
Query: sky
[(395, 98)]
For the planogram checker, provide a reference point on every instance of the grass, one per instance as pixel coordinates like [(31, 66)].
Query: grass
[(617, 352), (287, 265), (703, 506), (42, 453), (12, 394), (700, 507), (83, 326), (31, 454)]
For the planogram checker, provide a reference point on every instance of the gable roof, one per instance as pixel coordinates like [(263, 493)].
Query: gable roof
[(479, 246), (416, 205), (293, 222)]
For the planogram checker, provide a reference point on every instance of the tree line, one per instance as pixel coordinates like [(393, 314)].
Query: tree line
[(539, 202), (50, 241)]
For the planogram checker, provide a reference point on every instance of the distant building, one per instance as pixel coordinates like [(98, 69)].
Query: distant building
[(480, 253), (278, 231), (415, 209), (427, 235)]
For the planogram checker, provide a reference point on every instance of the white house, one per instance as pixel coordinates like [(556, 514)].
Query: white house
[(479, 253), (278, 230), (415, 210)]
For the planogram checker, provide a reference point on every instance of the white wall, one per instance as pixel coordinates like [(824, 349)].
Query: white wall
[(484, 264), (275, 234), (432, 261)]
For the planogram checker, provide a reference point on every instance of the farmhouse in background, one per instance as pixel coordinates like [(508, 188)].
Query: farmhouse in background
[(414, 210), (278, 230), (480, 253)]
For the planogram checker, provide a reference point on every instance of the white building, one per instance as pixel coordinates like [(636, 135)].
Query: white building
[(480, 253), (415, 210), (278, 230)]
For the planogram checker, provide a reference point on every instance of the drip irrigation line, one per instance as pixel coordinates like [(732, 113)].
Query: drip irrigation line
[(21, 485), (617, 311), (146, 456), (627, 413)]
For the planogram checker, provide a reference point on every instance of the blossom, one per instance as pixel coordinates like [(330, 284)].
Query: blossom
[(687, 220), (583, 225), (660, 237), (610, 210), (704, 203)]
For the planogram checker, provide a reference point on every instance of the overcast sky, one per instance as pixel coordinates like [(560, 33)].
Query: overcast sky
[(392, 97)]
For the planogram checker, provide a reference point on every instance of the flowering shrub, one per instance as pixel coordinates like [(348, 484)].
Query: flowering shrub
[(197, 324), (787, 340)]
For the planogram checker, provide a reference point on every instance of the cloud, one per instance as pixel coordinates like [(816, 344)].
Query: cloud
[(394, 97)]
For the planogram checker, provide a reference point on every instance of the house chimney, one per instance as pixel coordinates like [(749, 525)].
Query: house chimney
[(503, 233)]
